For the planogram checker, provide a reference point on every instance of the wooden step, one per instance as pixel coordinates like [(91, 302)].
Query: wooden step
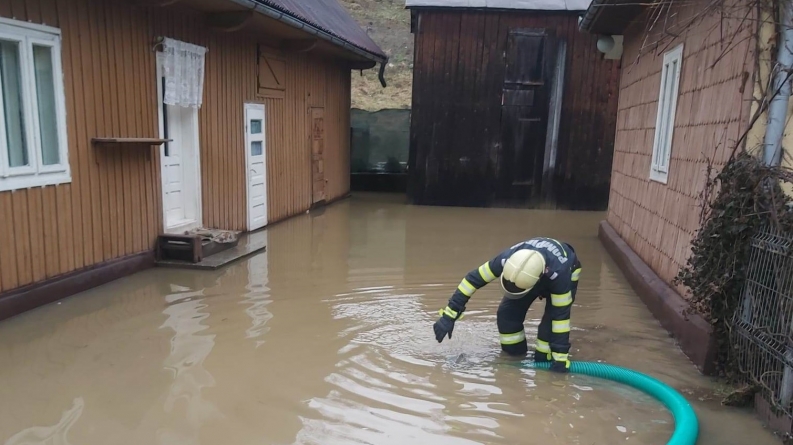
[(172, 247)]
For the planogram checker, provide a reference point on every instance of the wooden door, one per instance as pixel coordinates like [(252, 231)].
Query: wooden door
[(524, 114), (317, 155)]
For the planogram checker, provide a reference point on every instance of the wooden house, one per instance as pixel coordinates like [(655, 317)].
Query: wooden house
[(121, 120), (512, 105)]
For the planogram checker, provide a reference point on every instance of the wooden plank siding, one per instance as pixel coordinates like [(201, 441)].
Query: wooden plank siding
[(658, 221), (456, 143), (113, 206), (289, 146)]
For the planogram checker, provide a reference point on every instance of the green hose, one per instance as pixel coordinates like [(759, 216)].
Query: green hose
[(686, 424)]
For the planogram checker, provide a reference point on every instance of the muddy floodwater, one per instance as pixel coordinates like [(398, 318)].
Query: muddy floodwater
[(326, 338)]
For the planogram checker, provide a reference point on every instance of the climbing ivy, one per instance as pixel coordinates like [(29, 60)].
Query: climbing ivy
[(737, 201)]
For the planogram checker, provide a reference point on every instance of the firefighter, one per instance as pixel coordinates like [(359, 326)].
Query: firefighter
[(536, 268)]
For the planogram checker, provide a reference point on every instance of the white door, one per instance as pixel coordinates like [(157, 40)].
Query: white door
[(180, 164), (255, 154)]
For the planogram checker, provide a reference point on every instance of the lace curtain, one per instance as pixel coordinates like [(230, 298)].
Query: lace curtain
[(183, 69)]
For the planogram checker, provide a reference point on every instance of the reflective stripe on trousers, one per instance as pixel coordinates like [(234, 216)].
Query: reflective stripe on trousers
[(511, 339), (562, 300), (560, 326)]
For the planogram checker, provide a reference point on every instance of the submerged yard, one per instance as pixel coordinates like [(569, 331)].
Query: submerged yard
[(326, 338)]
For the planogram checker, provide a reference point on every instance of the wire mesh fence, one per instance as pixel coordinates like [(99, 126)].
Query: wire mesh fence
[(380, 141), (762, 326)]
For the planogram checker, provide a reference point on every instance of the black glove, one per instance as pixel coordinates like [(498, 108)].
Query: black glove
[(560, 366), (444, 325)]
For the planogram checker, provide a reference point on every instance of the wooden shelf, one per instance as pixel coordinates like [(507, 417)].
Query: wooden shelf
[(133, 143), (140, 141)]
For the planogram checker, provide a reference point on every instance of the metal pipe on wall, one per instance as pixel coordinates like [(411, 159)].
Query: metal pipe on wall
[(555, 116), (772, 145), (777, 109)]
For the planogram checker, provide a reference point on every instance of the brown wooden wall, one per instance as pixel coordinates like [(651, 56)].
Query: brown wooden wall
[(308, 84), (457, 100), (113, 206), (658, 221)]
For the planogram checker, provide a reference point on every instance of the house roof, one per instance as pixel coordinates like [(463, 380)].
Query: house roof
[(534, 5), (610, 17), (328, 16)]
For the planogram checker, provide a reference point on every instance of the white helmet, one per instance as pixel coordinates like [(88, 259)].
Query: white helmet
[(521, 272)]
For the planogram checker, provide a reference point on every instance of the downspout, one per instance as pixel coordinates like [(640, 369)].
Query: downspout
[(274, 13), (772, 147), (381, 72), (777, 109)]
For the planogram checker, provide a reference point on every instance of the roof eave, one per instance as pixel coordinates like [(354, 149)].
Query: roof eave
[(288, 19), (490, 9), (573, 6), (610, 17)]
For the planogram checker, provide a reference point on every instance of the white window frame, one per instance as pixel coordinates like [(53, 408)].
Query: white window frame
[(665, 117), (36, 174)]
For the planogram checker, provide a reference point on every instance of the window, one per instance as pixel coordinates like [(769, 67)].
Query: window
[(33, 145), (665, 121)]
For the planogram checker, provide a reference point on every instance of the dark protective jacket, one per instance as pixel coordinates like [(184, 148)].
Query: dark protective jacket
[(558, 284)]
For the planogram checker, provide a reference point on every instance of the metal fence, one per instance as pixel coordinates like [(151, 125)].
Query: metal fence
[(762, 327), (380, 141)]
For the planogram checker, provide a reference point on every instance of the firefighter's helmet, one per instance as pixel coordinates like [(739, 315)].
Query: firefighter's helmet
[(521, 272)]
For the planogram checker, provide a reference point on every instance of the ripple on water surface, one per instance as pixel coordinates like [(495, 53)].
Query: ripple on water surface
[(394, 383)]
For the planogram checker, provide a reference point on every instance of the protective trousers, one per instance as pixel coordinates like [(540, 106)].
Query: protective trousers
[(511, 315)]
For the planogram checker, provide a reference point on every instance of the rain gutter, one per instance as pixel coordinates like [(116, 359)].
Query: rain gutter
[(282, 17)]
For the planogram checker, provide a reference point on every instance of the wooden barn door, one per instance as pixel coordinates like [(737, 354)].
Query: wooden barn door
[(524, 114), (317, 155)]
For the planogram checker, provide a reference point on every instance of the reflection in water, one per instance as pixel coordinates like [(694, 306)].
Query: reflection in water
[(50, 435), (186, 362), (257, 298), (376, 399)]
